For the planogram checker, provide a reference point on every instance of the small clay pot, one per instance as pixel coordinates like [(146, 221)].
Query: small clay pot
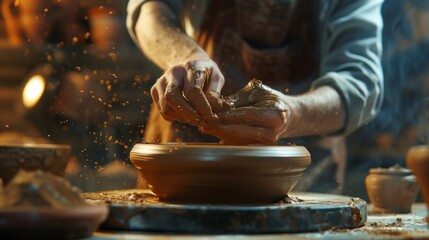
[(418, 161), (391, 190)]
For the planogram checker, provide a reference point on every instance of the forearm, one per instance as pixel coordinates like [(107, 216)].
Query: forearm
[(318, 112), (350, 59), (162, 38)]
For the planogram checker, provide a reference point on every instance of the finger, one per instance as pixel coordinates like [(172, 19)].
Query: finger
[(216, 102), (198, 99), (253, 92), (175, 99), (170, 114), (212, 92), (263, 117), (158, 96), (157, 91), (181, 106), (240, 134), (155, 95), (215, 82), (197, 77)]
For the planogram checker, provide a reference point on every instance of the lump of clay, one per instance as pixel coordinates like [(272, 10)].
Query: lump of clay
[(39, 189)]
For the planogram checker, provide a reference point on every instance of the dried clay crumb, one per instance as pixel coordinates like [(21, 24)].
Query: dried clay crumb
[(289, 200), (391, 232), (398, 223)]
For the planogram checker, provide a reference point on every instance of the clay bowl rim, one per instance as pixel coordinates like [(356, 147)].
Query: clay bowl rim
[(207, 152)]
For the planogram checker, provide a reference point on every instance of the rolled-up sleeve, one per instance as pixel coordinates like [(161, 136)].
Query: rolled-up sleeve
[(133, 12), (350, 58)]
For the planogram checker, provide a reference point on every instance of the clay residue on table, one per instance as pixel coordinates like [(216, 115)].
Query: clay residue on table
[(149, 197), (395, 228), (127, 198), (398, 223), (399, 228), (289, 200)]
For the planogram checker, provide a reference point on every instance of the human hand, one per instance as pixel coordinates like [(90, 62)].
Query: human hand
[(188, 91), (257, 114)]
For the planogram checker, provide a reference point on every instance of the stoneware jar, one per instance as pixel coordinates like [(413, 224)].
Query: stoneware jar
[(418, 161), (391, 190)]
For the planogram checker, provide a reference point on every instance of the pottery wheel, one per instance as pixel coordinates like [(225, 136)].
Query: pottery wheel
[(314, 213)]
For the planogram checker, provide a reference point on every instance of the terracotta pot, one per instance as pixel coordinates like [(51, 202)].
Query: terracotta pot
[(391, 190), (418, 160)]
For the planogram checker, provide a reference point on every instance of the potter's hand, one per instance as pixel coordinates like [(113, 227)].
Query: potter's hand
[(186, 91), (257, 115)]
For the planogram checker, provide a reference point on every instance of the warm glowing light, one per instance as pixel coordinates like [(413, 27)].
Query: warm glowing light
[(33, 91)]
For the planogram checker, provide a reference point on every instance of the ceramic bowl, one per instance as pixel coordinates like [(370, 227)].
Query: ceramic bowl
[(391, 190), (48, 157), (214, 173)]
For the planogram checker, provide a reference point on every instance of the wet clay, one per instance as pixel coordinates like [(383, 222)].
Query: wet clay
[(418, 160), (252, 93), (255, 114), (391, 190), (214, 173)]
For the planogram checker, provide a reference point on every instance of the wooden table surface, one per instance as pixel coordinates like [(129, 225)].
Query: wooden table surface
[(378, 226)]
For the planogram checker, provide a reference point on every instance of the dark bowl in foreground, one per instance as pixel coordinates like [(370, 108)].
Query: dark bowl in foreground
[(220, 174), (48, 157)]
